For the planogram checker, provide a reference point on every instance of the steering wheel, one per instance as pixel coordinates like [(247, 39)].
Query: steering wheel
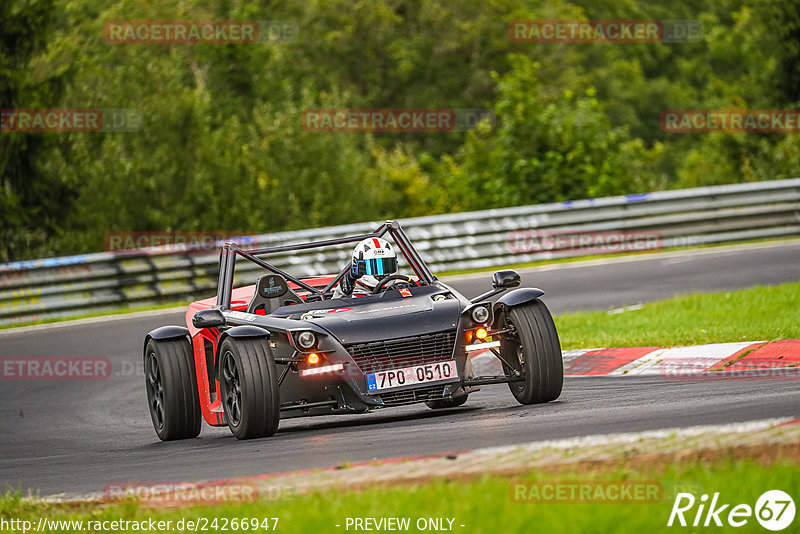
[(391, 278)]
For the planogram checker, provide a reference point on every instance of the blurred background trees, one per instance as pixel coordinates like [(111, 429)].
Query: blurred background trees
[(223, 149)]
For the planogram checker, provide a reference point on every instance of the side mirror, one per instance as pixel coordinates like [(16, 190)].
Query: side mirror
[(208, 319), (505, 279)]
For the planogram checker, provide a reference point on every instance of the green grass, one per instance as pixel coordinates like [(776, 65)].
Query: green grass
[(483, 506), (759, 313)]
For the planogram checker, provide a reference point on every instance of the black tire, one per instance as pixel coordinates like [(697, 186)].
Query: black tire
[(441, 404), (249, 387), (171, 386), (533, 352)]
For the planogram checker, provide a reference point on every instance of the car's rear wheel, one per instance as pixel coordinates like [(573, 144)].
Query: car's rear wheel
[(249, 387), (531, 351), (171, 386), (441, 404)]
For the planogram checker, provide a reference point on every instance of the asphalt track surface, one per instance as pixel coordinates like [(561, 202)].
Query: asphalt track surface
[(77, 436)]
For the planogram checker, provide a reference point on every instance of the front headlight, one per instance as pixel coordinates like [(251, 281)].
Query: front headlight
[(480, 314), (306, 340)]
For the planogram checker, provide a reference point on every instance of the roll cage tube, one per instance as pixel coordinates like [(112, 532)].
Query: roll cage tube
[(409, 252), (231, 250)]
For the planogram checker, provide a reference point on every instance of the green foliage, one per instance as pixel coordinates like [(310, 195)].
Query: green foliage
[(543, 150), (223, 149), (30, 198)]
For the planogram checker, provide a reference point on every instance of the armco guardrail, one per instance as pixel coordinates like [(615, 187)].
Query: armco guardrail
[(37, 289)]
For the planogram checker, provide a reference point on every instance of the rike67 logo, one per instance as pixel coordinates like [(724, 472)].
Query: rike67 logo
[(774, 510)]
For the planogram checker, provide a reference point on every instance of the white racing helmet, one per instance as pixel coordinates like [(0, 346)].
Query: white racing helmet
[(379, 260)]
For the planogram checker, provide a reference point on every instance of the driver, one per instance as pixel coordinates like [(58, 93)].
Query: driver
[(373, 260)]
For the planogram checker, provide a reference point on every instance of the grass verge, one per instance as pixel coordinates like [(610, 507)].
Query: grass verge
[(485, 505), (759, 313)]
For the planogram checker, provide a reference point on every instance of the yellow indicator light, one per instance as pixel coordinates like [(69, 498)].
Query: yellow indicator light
[(481, 333), (313, 358)]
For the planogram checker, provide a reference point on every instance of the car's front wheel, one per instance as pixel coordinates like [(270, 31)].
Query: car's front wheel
[(172, 389), (249, 387), (531, 353)]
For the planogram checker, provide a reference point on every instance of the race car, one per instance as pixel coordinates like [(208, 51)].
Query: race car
[(285, 347)]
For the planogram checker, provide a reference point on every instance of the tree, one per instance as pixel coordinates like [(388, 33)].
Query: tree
[(542, 151), (32, 200)]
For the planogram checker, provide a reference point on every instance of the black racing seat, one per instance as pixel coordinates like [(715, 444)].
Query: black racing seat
[(271, 293)]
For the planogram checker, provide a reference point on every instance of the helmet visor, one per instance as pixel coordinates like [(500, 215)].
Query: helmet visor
[(380, 266)]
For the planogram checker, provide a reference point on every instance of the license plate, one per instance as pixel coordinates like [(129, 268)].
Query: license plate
[(415, 374)]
